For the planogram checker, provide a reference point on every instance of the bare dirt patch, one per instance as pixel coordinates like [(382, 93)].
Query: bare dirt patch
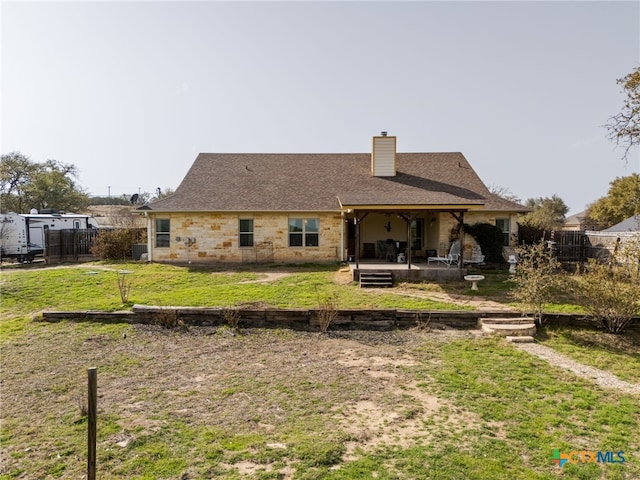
[(343, 276), (371, 422), (267, 277), (477, 302)]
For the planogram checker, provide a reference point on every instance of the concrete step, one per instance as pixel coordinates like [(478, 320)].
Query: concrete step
[(504, 321), (522, 339), (515, 330), (364, 284)]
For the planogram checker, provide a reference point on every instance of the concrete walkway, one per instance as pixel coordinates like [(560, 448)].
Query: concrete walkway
[(600, 377)]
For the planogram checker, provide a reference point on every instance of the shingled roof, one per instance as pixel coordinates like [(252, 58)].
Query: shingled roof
[(325, 182)]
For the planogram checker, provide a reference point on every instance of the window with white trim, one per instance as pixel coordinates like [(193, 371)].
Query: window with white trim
[(304, 232), (163, 232)]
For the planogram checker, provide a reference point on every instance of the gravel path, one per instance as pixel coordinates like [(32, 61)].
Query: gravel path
[(602, 378)]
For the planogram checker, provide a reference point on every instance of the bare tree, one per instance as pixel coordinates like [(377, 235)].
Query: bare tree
[(504, 193), (624, 127)]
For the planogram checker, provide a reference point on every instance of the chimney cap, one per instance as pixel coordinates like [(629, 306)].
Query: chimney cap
[(383, 133)]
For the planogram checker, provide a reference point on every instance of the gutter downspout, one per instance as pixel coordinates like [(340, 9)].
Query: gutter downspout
[(149, 242), (342, 220)]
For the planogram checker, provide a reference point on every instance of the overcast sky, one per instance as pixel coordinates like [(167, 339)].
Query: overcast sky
[(130, 93)]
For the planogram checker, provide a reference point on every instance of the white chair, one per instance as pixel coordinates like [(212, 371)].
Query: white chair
[(451, 259)]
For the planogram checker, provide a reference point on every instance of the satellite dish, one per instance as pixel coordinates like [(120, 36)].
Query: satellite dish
[(33, 211), (134, 198)]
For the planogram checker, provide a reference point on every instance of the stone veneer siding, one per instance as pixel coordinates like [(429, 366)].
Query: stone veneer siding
[(217, 238)]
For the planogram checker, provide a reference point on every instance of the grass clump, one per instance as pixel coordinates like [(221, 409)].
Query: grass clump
[(168, 318), (231, 317)]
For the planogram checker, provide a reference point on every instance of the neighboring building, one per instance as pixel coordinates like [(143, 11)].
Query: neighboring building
[(578, 222), (322, 207), (629, 225), (626, 231), (116, 216)]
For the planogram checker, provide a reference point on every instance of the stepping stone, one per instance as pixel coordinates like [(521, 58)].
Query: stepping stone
[(522, 339), (506, 330), (504, 321)]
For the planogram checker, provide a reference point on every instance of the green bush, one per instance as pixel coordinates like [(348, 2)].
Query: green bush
[(116, 244), (490, 238), (610, 290)]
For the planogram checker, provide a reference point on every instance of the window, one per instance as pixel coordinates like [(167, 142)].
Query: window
[(163, 232), (504, 224), (304, 232), (246, 232)]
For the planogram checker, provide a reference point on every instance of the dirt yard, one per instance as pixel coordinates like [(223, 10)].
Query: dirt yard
[(150, 377)]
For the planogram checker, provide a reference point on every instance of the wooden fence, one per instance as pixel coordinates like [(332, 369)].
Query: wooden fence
[(579, 246), (72, 245)]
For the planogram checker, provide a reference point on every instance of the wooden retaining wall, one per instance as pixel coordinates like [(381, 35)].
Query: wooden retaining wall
[(303, 319)]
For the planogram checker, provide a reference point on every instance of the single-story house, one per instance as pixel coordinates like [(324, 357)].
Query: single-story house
[(322, 207), (578, 222), (629, 225), (115, 216)]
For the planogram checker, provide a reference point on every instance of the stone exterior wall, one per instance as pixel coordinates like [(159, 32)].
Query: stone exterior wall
[(217, 239), (217, 236)]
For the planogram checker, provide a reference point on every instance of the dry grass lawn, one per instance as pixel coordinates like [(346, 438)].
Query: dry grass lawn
[(278, 386)]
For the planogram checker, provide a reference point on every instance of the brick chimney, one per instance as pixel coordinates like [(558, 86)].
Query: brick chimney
[(383, 156)]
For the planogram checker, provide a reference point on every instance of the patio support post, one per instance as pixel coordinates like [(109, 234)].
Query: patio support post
[(408, 220), (356, 221)]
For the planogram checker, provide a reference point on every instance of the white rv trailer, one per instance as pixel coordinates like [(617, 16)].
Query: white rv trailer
[(22, 234)]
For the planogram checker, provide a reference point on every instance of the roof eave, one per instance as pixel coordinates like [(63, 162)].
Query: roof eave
[(456, 207)]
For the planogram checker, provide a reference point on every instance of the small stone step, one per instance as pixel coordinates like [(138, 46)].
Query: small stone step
[(516, 330), (522, 339), (505, 321)]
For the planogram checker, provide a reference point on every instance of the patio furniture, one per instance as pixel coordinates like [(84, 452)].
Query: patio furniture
[(368, 250), (451, 259), (391, 250)]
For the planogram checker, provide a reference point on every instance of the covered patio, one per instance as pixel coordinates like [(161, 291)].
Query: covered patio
[(401, 238)]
